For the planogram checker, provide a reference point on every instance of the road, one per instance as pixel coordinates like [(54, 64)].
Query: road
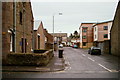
[(79, 64)]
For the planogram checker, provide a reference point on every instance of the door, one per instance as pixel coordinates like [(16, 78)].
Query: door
[(24, 45)]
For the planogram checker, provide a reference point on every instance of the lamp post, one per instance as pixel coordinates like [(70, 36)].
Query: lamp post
[(53, 29)]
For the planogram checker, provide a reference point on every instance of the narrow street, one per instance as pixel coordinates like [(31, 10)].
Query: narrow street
[(79, 64)]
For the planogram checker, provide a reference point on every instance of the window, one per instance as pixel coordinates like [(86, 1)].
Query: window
[(105, 35), (11, 43), (84, 30), (95, 36), (84, 37), (84, 43), (20, 17), (24, 4), (105, 27), (95, 28), (38, 42)]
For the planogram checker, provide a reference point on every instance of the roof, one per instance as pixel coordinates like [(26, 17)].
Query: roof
[(37, 24), (115, 16), (47, 34), (86, 23), (103, 22)]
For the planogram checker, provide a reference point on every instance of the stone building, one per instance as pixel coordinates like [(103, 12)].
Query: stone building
[(39, 36), (60, 38), (48, 40), (115, 33), (86, 35), (17, 27)]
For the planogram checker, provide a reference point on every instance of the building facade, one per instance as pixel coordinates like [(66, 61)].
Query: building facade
[(102, 35), (102, 31), (39, 36), (60, 38), (48, 40), (86, 35), (17, 27), (115, 33)]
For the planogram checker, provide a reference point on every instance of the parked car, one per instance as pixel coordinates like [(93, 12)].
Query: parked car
[(94, 50), (74, 46)]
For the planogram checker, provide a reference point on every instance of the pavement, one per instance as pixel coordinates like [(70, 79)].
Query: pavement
[(56, 64), (78, 64)]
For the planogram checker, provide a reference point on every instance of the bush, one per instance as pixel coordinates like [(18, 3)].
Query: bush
[(29, 58), (39, 51)]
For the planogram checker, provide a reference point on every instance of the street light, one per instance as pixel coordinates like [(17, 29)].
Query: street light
[(59, 37), (53, 29)]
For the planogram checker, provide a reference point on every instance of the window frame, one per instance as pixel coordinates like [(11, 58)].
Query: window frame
[(84, 43), (84, 36), (84, 30), (105, 27), (105, 35)]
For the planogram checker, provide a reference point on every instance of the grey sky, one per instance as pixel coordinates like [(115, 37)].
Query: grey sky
[(74, 13)]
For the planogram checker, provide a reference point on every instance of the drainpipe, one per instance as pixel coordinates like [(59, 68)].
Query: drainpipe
[(24, 44), (14, 26), (33, 41)]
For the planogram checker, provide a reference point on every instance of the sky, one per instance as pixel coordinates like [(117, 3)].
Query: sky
[(74, 12)]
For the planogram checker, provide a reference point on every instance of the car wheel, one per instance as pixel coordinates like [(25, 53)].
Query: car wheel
[(99, 53), (91, 53), (88, 52)]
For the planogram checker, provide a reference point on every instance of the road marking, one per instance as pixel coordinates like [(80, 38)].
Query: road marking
[(83, 55), (105, 67), (91, 59), (114, 71)]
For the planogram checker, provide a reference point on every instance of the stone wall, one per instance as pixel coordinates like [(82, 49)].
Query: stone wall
[(106, 47), (31, 59), (115, 33), (7, 23)]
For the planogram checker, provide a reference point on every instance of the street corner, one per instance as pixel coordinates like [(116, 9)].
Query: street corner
[(59, 65)]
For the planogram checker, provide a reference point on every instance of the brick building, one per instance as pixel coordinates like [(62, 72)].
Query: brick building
[(86, 35), (101, 32), (102, 35), (48, 40), (39, 36), (115, 33), (17, 27)]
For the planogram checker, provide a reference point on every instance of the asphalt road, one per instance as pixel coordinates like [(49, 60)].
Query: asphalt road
[(79, 64)]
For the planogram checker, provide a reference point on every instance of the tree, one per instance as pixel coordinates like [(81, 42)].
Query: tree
[(75, 33), (76, 36), (71, 36)]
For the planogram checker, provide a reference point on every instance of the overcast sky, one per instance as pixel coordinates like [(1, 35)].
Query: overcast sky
[(74, 13)]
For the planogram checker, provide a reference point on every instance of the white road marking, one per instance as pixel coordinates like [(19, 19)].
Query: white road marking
[(105, 67), (83, 55), (91, 59)]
